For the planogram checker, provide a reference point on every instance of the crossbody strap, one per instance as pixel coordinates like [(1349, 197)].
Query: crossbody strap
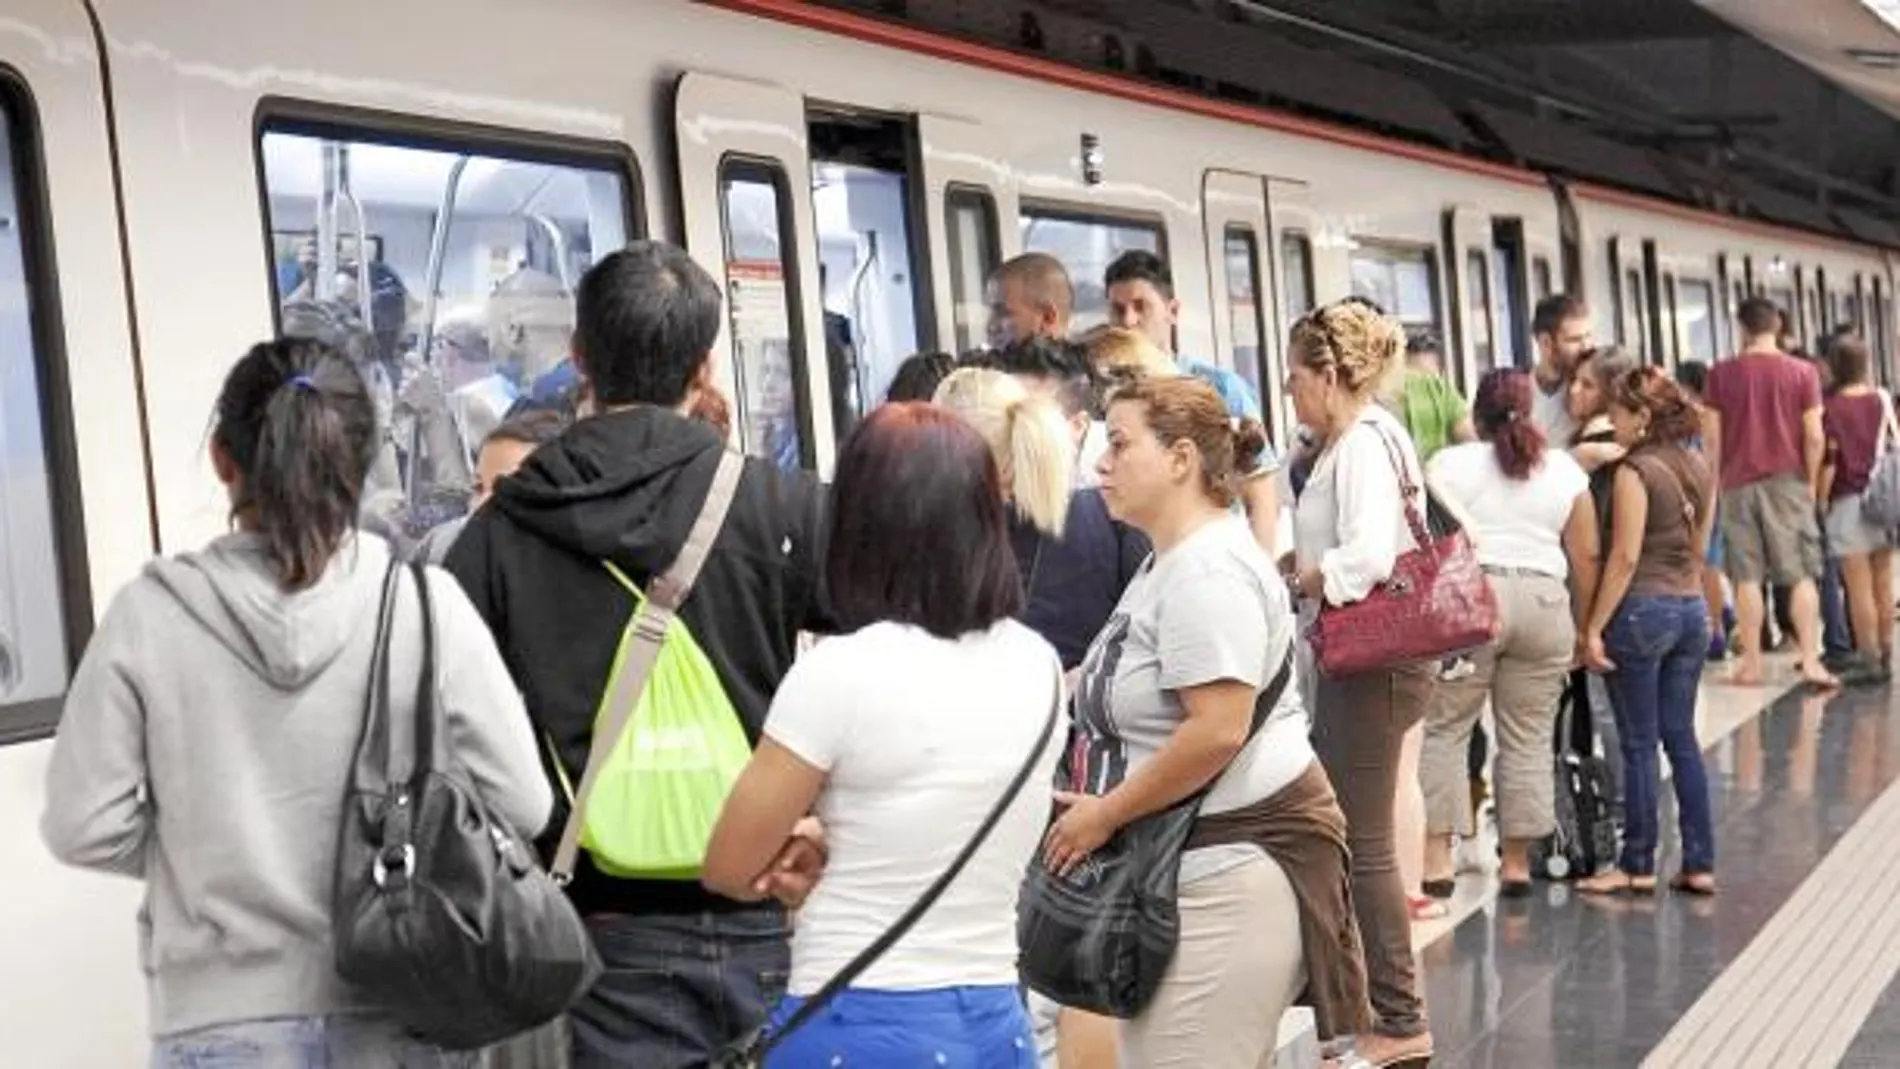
[(665, 594), (898, 929), (1887, 427)]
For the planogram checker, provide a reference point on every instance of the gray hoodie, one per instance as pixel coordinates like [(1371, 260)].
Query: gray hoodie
[(206, 746)]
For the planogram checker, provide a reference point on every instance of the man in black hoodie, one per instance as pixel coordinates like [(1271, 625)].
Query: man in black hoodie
[(687, 970)]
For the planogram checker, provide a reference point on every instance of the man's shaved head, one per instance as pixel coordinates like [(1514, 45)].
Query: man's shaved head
[(1030, 296)]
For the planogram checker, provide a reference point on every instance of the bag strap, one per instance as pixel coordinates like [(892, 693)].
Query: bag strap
[(1408, 487), (1888, 429), (376, 718), (904, 923), (428, 716), (665, 594)]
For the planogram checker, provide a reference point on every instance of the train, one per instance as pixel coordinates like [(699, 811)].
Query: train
[(178, 181)]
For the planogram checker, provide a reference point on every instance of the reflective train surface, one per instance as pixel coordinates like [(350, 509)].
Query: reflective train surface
[(179, 180)]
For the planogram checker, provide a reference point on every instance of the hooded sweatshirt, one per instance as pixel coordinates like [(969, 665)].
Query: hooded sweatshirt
[(626, 487), (206, 747)]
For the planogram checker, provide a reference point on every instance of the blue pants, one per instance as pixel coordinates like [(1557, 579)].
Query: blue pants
[(945, 1028), (1658, 644), (344, 1041), (1837, 637), (678, 987)]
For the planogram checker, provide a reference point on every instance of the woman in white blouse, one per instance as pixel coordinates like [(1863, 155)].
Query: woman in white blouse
[(1535, 528), (1349, 530)]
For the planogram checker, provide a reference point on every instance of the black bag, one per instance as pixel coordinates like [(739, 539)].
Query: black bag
[(444, 918), (1100, 938), (750, 1052), (1587, 820)]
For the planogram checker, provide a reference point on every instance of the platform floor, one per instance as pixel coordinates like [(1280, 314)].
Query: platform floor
[(1793, 964)]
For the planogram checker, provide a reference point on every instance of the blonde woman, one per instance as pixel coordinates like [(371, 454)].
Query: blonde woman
[(1120, 353)]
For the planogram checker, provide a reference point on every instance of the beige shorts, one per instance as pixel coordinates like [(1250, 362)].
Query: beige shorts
[(1770, 532)]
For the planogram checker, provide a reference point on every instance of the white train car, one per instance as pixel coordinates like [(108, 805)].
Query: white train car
[(172, 175)]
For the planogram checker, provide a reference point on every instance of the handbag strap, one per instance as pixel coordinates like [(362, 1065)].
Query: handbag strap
[(908, 920), (1408, 487), (664, 596), (1887, 426), (376, 716)]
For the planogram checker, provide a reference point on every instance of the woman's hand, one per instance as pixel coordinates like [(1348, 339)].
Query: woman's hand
[(1310, 584), (796, 869), (1591, 655), (1078, 832)]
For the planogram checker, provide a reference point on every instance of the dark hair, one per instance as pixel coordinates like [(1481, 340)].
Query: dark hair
[(1066, 363), (646, 318), (918, 377), (297, 421), (1848, 361), (1693, 375), (1184, 408), (1419, 341), (1140, 265), (535, 426), (917, 533), (1759, 316), (1554, 310), (1672, 416), (1501, 413)]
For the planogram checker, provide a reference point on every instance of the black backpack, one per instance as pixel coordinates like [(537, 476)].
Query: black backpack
[(1587, 824), (444, 918)]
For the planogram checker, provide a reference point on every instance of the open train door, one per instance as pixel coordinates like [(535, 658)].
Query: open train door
[(1468, 252), (970, 213), (745, 198), (1234, 210)]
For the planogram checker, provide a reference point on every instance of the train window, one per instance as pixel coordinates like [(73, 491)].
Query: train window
[(1244, 311), (969, 227), (1635, 314), (762, 306), (38, 570), (1541, 280), (1402, 279), (1086, 245), (1695, 320), (1478, 310), (450, 270), (1296, 259)]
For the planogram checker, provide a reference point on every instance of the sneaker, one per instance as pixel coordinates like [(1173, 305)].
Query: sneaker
[(1840, 661), (1860, 671), (1455, 669)]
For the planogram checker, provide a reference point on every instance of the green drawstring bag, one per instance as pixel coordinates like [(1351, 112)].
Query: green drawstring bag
[(668, 743)]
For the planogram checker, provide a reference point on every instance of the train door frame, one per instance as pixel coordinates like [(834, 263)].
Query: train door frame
[(957, 157), (1230, 200), (722, 122), (1468, 234), (1327, 267)]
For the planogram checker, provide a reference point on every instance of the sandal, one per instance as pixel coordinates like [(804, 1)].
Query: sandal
[(1444, 888), (1616, 882), (1427, 908), (1701, 884)]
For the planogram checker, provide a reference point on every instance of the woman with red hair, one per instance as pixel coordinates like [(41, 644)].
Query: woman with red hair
[(1531, 516)]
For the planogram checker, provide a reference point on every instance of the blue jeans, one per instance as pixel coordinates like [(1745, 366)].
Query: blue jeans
[(678, 987), (344, 1041), (1837, 636), (1658, 644), (950, 1027)]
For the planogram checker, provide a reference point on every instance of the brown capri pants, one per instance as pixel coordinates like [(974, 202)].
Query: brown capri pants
[(1359, 724)]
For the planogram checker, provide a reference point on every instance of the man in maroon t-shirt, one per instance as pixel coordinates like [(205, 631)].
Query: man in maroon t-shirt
[(1766, 441)]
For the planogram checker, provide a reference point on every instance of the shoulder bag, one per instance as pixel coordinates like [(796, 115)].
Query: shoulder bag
[(1100, 938), (1435, 604), (750, 1052), (1880, 502), (443, 917)]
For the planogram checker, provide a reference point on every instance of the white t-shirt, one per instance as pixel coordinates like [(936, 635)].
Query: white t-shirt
[(1210, 609), (919, 736), (1519, 523), (1551, 413)]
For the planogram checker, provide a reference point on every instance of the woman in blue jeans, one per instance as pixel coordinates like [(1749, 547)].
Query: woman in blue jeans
[(1648, 627)]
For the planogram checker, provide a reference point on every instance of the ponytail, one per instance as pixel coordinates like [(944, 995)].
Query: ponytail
[(297, 422), (1501, 413), (1041, 461)]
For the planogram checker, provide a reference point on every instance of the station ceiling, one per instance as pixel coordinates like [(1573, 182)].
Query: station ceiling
[(1781, 109)]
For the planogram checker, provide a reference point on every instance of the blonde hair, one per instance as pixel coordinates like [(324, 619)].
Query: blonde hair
[(1027, 435), (1363, 346), (1120, 352)]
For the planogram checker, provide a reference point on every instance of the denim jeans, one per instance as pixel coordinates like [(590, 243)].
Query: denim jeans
[(954, 1027), (344, 1041), (678, 987), (1837, 635), (1658, 644)]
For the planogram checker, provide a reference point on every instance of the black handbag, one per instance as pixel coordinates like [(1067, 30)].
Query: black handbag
[(1101, 938), (444, 917), (750, 1052)]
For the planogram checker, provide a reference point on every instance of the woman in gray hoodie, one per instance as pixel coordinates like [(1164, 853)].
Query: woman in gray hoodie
[(208, 737)]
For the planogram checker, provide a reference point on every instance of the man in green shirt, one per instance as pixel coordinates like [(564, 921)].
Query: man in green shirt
[(1428, 405)]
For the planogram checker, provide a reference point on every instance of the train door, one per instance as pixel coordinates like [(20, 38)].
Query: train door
[(746, 201), (1468, 251), (1234, 211), (1632, 299), (1298, 271), (970, 207)]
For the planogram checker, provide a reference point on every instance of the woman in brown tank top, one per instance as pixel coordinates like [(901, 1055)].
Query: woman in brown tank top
[(1648, 628)]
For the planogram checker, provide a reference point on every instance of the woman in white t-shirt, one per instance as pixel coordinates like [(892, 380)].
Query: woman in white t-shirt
[(1535, 527), (901, 735), (1163, 709)]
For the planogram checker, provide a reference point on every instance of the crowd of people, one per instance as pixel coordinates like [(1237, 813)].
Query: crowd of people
[(1082, 531)]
